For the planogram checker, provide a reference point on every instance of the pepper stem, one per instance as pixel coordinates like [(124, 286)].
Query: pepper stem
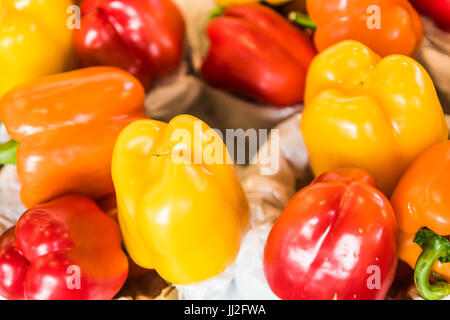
[(435, 248), (217, 12), (302, 20), (8, 152)]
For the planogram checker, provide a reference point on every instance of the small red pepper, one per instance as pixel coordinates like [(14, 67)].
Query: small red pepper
[(438, 10), (336, 239), (66, 249), (257, 53), (144, 37)]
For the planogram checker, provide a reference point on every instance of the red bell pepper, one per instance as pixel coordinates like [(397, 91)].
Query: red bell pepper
[(257, 53), (438, 10), (336, 239), (144, 37), (65, 249)]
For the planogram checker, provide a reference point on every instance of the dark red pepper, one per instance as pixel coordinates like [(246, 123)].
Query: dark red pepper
[(144, 37)]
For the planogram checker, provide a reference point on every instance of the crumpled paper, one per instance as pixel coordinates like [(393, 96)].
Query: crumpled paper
[(434, 55), (268, 195), (10, 205), (11, 208)]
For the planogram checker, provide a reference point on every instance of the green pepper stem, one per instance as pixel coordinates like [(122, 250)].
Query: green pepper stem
[(433, 249), (217, 12), (8, 152), (302, 20)]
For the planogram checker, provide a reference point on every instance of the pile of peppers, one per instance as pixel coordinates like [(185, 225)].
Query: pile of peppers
[(108, 189)]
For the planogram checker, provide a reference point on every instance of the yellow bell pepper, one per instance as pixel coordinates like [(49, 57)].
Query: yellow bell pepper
[(34, 40), (181, 207), (367, 112), (227, 3)]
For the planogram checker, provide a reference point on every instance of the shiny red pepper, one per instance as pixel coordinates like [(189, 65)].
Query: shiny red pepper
[(65, 249), (144, 37), (336, 239), (438, 10), (257, 53)]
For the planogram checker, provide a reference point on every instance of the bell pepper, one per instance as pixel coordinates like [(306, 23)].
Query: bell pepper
[(65, 249), (370, 113), (400, 30), (109, 206), (144, 37), (66, 126), (438, 10), (257, 53), (336, 239), (34, 40), (422, 204), (181, 211)]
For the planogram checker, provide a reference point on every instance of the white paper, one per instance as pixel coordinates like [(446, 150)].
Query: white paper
[(11, 208), (434, 55)]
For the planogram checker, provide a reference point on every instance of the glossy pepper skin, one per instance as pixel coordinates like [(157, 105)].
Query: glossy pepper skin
[(257, 53), (370, 113), (66, 126), (181, 212), (438, 10), (39, 255), (144, 37), (329, 240), (422, 200), (400, 32), (34, 40)]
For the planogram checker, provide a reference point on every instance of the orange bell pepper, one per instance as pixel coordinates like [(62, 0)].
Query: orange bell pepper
[(66, 125), (400, 30), (421, 202)]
